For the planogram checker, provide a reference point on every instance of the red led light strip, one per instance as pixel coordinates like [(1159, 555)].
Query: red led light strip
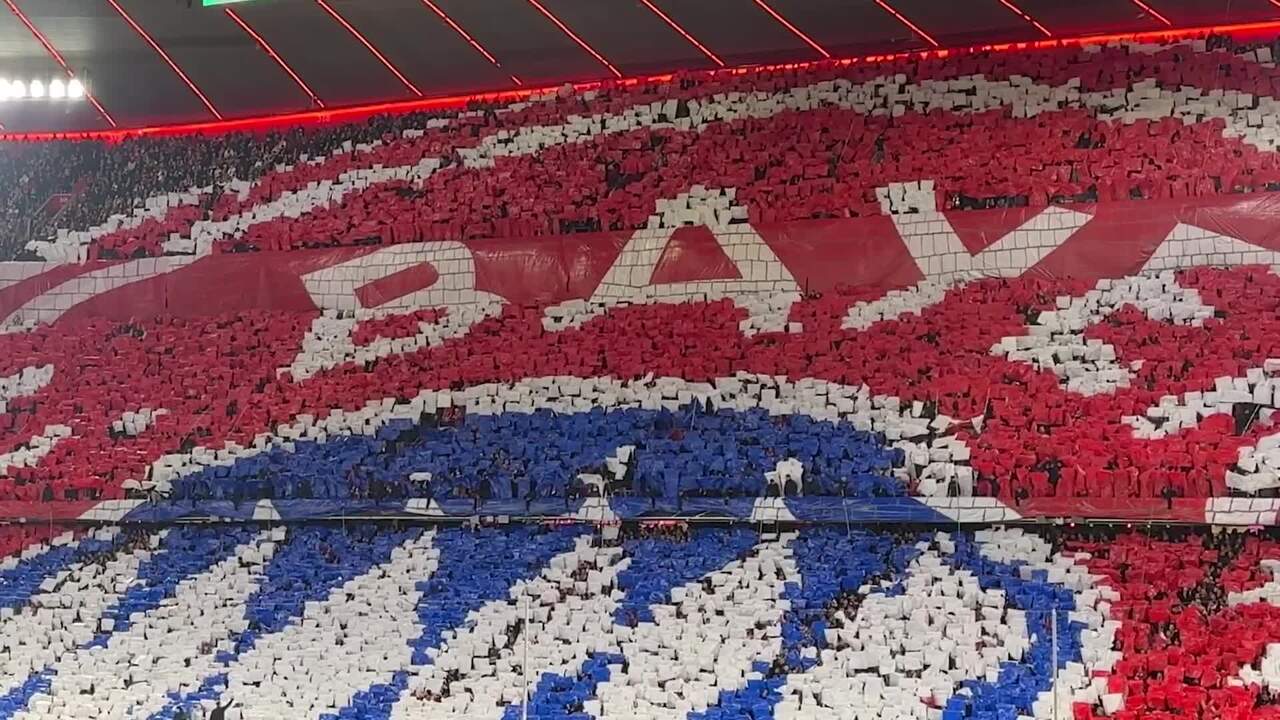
[(263, 123), (684, 33), (583, 43), (369, 46), (1020, 13), (57, 57), (1151, 11), (1275, 2), (903, 19), (271, 52), (470, 40), (794, 30), (165, 56)]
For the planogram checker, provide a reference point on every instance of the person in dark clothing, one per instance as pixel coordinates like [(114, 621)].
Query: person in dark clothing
[(220, 712), (181, 714)]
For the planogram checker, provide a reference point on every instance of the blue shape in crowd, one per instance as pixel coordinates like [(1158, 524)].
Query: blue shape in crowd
[(474, 568), (540, 454), (312, 561), (19, 583), (1018, 684), (658, 565), (185, 551), (561, 697)]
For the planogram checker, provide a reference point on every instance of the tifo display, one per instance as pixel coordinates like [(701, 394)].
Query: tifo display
[(1145, 395), (1052, 126), (766, 394), (367, 620), (914, 357)]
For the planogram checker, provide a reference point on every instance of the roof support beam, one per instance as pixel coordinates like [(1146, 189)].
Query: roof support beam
[(794, 30), (903, 19), (683, 33), (57, 57), (165, 56), (1023, 14), (1152, 12), (574, 37), (466, 36), (370, 47), (271, 52)]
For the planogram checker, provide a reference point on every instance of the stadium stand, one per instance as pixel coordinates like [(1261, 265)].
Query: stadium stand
[(1086, 124), (858, 318), (369, 621), (714, 353), (1159, 387)]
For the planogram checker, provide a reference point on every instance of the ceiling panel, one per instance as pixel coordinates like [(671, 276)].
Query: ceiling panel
[(1082, 17), (739, 30), (631, 35), (847, 27), (19, 47), (336, 66), (217, 55), (1214, 12), (126, 75), (241, 79), (968, 23), (525, 41), (21, 56), (47, 116), (425, 49)]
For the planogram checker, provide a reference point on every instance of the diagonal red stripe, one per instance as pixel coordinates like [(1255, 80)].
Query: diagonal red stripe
[(28, 289), (979, 230), (397, 285)]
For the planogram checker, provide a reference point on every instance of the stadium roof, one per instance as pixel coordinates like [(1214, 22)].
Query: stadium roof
[(155, 62)]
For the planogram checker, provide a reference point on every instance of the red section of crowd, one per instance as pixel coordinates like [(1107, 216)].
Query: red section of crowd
[(1183, 637), (15, 538), (810, 163), (218, 379)]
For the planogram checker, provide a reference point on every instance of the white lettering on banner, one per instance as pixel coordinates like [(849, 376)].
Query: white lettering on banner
[(335, 287), (940, 255), (1188, 245), (944, 260), (50, 305), (764, 286), (336, 290)]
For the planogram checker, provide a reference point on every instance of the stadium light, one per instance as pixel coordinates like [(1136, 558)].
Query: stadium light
[(40, 89), (57, 57)]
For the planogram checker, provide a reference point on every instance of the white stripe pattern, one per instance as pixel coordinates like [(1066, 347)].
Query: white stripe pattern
[(65, 613), (161, 651), (359, 635), (569, 621)]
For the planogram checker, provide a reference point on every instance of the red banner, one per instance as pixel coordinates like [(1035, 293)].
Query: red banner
[(1087, 242)]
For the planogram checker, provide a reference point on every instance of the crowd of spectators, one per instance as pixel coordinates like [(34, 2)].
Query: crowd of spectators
[(1188, 633), (104, 179), (1191, 637)]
